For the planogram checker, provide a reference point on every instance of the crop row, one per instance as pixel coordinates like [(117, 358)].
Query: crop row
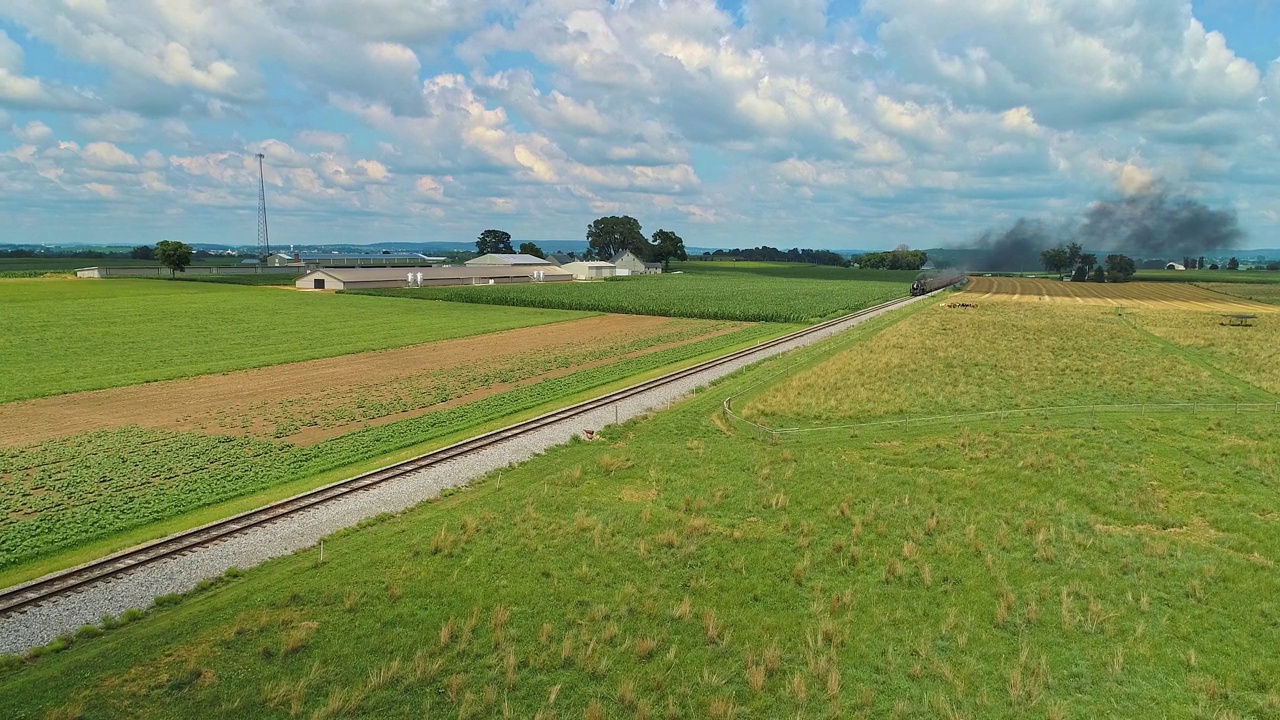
[(724, 296), (450, 383), (64, 493)]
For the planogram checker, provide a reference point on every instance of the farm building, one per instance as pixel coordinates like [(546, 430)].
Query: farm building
[(161, 271), (628, 263), (382, 259), (363, 278), (590, 269), (561, 258), (508, 260), (1174, 266)]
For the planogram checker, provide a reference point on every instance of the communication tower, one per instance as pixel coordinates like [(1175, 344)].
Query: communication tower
[(264, 244)]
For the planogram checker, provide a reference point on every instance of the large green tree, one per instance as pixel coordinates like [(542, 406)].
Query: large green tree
[(1120, 268), (174, 255), (1056, 260), (494, 241), (608, 236), (667, 246), (528, 248)]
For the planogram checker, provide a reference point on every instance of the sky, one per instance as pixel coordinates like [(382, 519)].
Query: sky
[(811, 123)]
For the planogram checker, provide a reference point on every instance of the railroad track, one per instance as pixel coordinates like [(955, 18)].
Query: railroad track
[(18, 597)]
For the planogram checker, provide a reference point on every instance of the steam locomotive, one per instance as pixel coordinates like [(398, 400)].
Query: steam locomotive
[(927, 282)]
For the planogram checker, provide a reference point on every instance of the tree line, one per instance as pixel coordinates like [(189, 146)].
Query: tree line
[(764, 253), (606, 237), (900, 258), (1084, 266)]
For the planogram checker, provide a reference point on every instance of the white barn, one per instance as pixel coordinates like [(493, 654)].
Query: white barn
[(363, 278), (590, 269)]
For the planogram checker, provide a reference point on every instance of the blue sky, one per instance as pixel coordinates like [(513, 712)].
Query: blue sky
[(814, 123)]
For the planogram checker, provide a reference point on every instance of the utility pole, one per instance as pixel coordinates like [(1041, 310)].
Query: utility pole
[(264, 244)]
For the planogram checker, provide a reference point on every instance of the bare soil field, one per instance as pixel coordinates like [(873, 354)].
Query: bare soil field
[(307, 402), (1170, 296)]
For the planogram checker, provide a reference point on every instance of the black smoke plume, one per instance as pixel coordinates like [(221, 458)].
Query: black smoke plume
[(1157, 225), (1014, 250)]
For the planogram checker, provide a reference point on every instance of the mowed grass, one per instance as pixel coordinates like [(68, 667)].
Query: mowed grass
[(1005, 354), (1209, 276), (64, 335), (1258, 292), (1248, 353), (677, 568), (769, 292)]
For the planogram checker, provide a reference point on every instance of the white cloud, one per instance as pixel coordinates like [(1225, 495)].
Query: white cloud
[(915, 118), (331, 141), (1066, 60), (115, 126), (21, 91), (107, 155), (34, 133)]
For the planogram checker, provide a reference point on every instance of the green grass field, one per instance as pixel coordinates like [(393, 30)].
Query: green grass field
[(60, 495), (1260, 292), (1010, 355), (1209, 276), (34, 267), (1116, 567), (109, 333), (770, 292)]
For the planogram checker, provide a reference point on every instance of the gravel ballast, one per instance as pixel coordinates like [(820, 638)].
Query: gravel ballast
[(40, 624)]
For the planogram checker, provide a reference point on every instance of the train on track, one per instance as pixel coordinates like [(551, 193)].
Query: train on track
[(927, 282)]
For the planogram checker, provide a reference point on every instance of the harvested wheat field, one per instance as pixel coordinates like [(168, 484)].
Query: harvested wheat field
[(307, 402), (1171, 296)]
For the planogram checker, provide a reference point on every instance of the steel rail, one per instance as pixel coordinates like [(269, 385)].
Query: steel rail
[(63, 582)]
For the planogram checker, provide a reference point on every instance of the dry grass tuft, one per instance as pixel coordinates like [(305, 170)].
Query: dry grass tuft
[(684, 610), (645, 647), (756, 677), (723, 708), (627, 693), (611, 464), (498, 618), (798, 688), (446, 632), (297, 638)]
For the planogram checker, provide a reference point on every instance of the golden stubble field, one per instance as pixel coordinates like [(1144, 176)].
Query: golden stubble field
[(1170, 296), (1039, 343)]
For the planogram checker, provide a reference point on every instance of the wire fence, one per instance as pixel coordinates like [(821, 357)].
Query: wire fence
[(1044, 413)]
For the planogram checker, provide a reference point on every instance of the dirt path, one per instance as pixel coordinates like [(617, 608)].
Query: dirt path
[(206, 403)]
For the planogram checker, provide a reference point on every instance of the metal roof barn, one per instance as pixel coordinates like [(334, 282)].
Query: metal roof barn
[(590, 269), (363, 278), (383, 259), (508, 259)]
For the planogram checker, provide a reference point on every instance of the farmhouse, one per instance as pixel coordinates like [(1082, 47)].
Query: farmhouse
[(590, 269), (362, 278), (629, 264), (508, 260)]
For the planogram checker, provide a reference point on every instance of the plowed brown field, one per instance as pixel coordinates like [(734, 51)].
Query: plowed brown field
[(307, 402), (1154, 295)]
